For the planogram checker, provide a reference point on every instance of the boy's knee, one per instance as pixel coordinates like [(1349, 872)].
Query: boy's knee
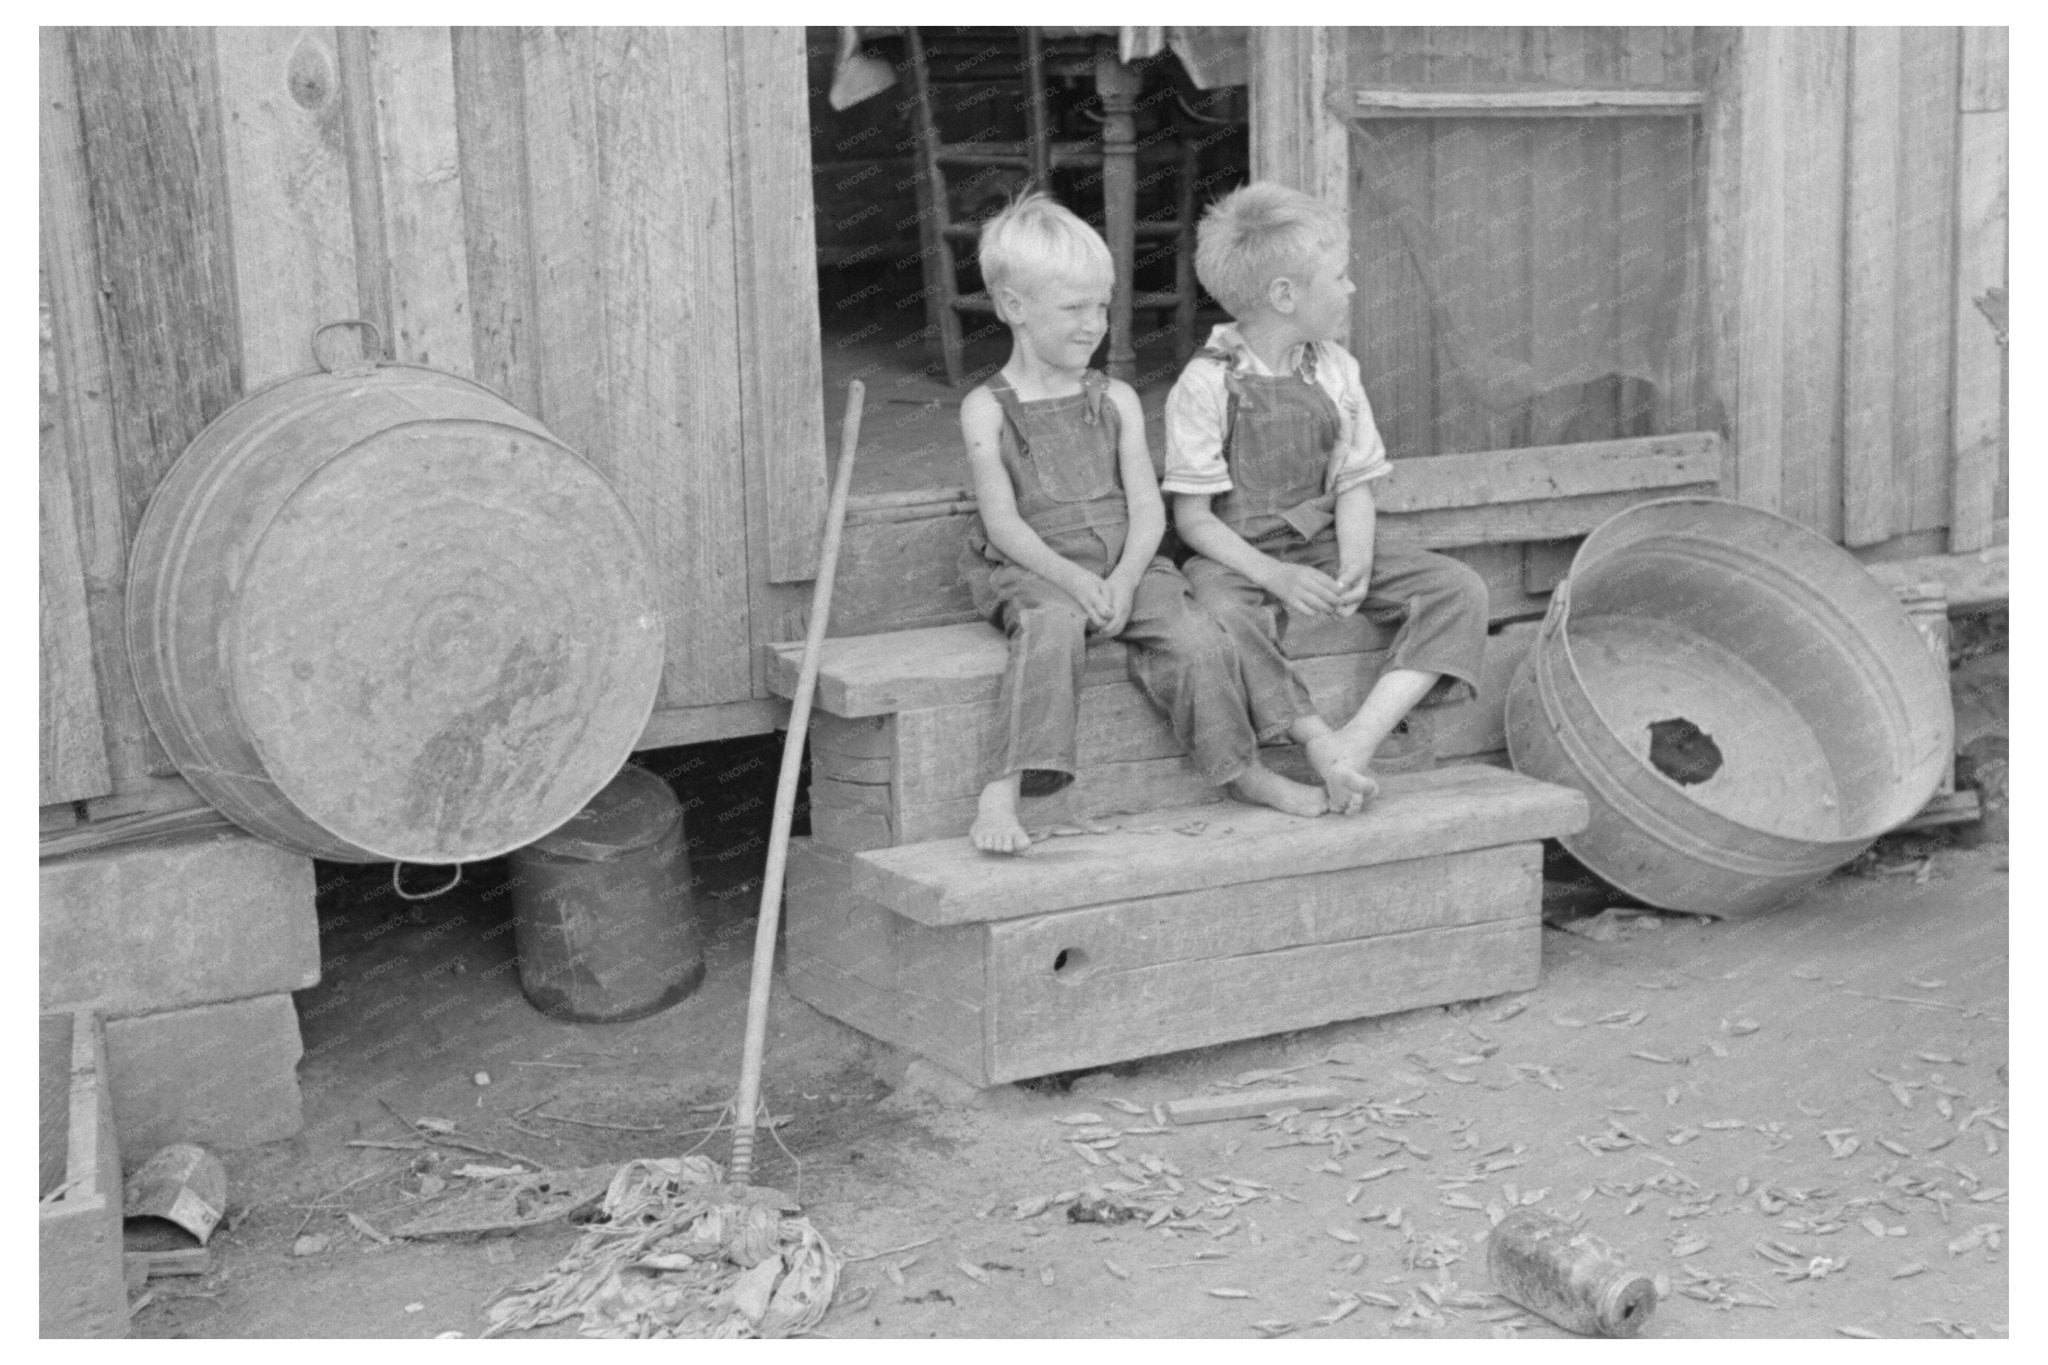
[(1199, 642), (1058, 624), (1459, 585)]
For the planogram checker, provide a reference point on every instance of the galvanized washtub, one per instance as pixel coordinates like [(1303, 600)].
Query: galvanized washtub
[(381, 614), (1744, 707)]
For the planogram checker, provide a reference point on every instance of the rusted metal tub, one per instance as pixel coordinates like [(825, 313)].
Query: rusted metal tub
[(1744, 707), (381, 614)]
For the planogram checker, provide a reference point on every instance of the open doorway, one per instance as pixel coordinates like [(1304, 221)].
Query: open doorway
[(876, 321)]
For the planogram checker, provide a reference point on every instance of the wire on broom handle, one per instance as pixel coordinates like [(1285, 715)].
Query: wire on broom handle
[(740, 1170)]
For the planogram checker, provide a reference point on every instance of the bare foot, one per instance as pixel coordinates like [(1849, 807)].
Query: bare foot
[(1262, 786), (996, 827), (1348, 783)]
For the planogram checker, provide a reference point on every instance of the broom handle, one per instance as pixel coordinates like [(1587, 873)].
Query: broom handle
[(741, 1169)]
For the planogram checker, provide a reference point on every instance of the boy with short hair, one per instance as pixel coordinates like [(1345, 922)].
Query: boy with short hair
[(1270, 456), (1065, 545)]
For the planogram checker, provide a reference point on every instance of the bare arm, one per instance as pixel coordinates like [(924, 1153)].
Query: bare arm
[(1357, 525), (981, 419), (1142, 502), (1202, 531)]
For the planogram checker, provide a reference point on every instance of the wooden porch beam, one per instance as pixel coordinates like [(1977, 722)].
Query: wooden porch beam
[(1297, 138), (1524, 102)]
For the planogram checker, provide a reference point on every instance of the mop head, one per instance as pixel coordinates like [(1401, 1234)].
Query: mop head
[(676, 1253)]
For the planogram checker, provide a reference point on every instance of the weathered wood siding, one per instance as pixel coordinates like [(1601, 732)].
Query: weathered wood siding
[(1522, 275), (1825, 205), (1856, 218), (610, 226)]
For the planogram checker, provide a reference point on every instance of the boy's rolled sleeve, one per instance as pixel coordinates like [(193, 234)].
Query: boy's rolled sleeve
[(1361, 455), (1196, 410)]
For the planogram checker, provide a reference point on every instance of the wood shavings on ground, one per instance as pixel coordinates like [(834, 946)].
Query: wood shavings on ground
[(677, 1254)]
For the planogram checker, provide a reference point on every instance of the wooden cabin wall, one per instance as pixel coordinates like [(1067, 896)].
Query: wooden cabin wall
[(1520, 276), (612, 227), (1828, 202), (1858, 218)]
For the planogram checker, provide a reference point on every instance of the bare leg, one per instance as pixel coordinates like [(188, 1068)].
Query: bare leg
[(996, 827), (1261, 786)]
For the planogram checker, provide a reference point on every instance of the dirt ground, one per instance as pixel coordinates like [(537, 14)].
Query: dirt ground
[(1799, 1121)]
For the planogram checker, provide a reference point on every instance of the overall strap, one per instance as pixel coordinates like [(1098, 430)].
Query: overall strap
[(1012, 406), (1095, 388)]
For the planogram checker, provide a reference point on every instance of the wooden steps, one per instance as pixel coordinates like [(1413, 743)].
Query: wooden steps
[(1190, 919), (1183, 928), (896, 749)]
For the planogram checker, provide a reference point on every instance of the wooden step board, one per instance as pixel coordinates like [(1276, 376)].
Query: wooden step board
[(1182, 928), (896, 750)]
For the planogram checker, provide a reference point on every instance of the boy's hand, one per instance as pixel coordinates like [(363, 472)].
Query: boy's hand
[(1122, 593), (1096, 597), (1353, 587), (1302, 590)]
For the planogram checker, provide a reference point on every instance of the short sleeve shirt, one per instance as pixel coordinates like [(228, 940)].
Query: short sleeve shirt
[(1198, 407)]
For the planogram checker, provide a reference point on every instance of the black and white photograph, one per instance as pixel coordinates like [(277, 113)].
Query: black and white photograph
[(1116, 682)]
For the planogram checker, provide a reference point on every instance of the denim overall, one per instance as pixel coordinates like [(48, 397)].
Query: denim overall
[(1062, 458), (1280, 433), (1277, 437)]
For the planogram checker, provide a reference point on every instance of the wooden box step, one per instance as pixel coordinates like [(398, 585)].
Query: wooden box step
[(1184, 928), (896, 753)]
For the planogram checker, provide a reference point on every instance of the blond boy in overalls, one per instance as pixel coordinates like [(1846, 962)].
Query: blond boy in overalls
[(1270, 457), (1065, 547)]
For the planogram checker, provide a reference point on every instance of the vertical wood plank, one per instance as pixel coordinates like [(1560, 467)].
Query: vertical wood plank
[(1476, 201), (288, 192), (1979, 366), (1296, 138), (358, 98), (1760, 306), (1570, 244), (1924, 321), (1869, 384), (781, 373), (78, 430), (1393, 321), (571, 354), (1652, 175), (1815, 147), (72, 757), (1984, 70), (665, 250), (145, 295), (417, 168), (490, 130)]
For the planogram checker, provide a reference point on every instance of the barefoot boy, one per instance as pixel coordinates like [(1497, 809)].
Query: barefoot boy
[(1270, 455), (1070, 521)]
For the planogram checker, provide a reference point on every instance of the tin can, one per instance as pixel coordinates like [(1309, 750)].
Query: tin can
[(605, 923), (1574, 1279)]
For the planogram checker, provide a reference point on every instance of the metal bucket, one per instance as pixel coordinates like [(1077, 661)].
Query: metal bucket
[(381, 614), (1744, 707), (606, 926)]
